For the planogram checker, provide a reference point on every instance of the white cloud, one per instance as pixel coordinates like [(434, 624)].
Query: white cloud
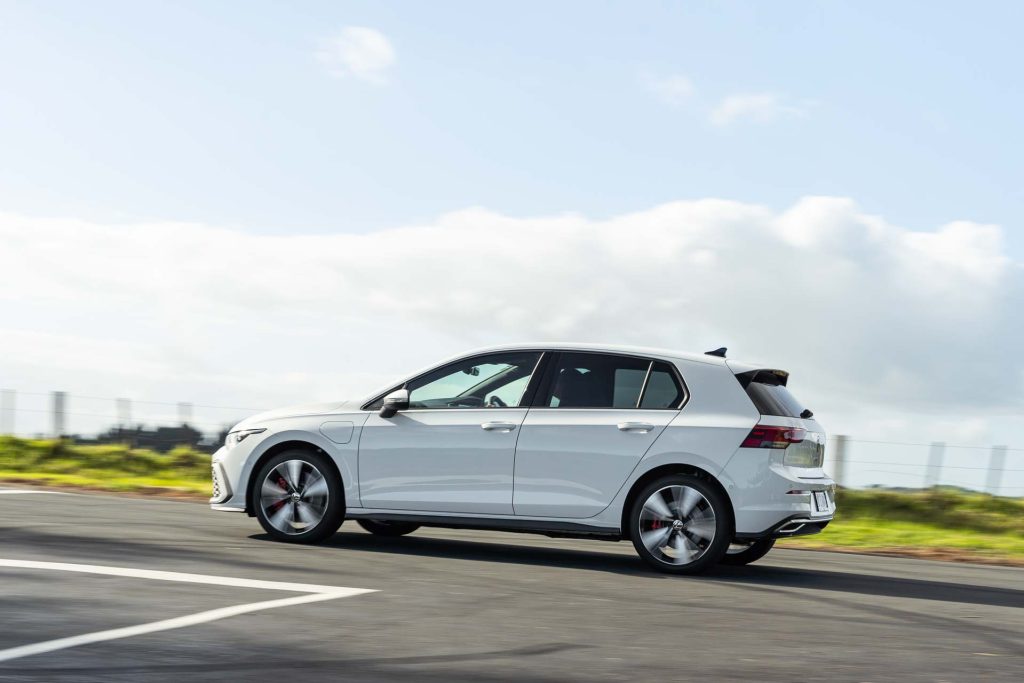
[(757, 107), (360, 52), (674, 89), (872, 319)]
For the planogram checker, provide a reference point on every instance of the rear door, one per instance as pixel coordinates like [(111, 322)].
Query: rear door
[(594, 417)]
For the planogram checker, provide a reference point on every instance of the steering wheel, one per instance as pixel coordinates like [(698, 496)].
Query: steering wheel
[(495, 402), (466, 402)]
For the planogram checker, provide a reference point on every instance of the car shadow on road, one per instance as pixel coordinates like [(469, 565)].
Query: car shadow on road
[(765, 576)]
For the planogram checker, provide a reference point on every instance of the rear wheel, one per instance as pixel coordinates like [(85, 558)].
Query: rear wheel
[(382, 528), (298, 497), (680, 524), (740, 554)]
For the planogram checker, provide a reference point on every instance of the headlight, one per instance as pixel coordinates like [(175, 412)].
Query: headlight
[(235, 438)]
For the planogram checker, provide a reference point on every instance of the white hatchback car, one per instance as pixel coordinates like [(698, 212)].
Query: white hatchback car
[(694, 458)]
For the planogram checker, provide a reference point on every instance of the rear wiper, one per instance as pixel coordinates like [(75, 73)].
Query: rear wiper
[(806, 414)]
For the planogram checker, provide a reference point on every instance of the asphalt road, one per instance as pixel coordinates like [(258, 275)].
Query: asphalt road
[(463, 605)]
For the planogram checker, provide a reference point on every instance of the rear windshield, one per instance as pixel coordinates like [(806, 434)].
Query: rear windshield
[(770, 395)]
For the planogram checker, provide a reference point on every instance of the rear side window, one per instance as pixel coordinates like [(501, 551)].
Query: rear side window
[(595, 380), (767, 389), (663, 390)]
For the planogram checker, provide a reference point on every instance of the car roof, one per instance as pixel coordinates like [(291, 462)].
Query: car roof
[(645, 351), (603, 348)]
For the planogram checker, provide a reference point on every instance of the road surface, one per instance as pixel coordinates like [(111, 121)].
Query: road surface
[(99, 587)]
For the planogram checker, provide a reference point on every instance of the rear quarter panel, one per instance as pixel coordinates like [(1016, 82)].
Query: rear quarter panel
[(705, 433)]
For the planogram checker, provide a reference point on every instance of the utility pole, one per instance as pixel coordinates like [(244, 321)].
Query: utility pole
[(995, 469), (934, 472), (59, 401), (7, 402)]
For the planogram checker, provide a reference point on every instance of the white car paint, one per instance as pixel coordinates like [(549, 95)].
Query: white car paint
[(440, 460), (550, 465), (570, 462)]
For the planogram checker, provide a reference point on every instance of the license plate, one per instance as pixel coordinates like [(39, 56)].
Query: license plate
[(821, 501)]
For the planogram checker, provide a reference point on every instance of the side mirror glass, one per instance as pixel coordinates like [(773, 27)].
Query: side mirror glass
[(393, 402)]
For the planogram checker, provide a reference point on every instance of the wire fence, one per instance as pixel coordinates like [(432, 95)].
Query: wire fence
[(852, 462)]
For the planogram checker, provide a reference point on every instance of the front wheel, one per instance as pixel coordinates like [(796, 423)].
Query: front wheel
[(299, 497), (680, 524), (745, 554)]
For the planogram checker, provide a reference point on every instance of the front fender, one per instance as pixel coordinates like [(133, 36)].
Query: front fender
[(344, 455)]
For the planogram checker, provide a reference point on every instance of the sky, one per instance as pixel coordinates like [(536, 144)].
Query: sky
[(250, 205)]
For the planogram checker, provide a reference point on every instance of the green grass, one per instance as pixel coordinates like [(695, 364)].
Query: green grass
[(110, 467), (941, 522)]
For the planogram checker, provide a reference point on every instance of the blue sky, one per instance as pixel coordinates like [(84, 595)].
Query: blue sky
[(250, 204), (221, 112)]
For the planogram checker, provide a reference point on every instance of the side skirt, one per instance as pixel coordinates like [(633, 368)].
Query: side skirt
[(526, 526)]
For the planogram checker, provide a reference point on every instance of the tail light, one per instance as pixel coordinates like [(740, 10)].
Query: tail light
[(763, 436)]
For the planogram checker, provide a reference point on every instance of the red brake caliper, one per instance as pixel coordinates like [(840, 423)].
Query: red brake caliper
[(277, 505)]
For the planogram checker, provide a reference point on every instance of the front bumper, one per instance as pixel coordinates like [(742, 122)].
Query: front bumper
[(225, 474)]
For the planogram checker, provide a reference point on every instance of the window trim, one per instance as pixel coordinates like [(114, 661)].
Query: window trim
[(525, 401), (549, 375)]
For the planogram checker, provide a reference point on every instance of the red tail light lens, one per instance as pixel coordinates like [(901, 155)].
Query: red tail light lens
[(764, 436)]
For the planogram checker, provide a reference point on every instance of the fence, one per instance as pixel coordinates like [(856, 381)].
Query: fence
[(57, 413), (853, 462)]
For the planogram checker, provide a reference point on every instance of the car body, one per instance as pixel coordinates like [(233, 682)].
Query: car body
[(559, 439)]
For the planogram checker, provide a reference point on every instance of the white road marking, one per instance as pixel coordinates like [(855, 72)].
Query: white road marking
[(312, 593), (54, 493), (133, 573)]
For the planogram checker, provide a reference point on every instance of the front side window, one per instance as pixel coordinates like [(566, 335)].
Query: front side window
[(595, 380), (492, 381)]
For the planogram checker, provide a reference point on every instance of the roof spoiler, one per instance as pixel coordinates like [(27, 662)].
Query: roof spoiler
[(764, 375)]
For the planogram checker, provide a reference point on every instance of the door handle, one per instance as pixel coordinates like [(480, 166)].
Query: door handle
[(498, 426), (635, 426)]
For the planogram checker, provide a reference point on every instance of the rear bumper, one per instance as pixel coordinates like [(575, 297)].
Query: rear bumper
[(797, 525), (767, 495)]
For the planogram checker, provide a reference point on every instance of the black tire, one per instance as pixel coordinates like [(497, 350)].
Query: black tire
[(333, 499), (390, 529), (754, 552), (710, 514)]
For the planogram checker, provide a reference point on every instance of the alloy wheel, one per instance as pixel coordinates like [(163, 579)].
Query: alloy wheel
[(677, 524), (294, 496)]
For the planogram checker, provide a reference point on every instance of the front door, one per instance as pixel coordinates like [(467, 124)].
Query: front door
[(453, 449), (598, 417)]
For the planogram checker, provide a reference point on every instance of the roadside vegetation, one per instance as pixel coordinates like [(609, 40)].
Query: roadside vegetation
[(940, 523), (108, 467)]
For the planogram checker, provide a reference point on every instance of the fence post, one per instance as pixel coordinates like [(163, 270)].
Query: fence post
[(995, 469), (59, 399), (839, 460), (934, 472), (7, 412), (184, 413), (124, 413)]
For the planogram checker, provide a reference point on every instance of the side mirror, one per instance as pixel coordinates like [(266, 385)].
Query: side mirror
[(393, 402)]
